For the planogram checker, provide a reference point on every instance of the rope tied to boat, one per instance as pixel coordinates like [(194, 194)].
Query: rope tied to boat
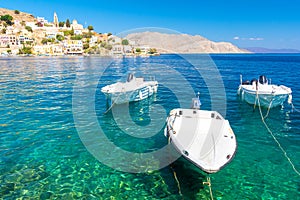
[(208, 183), (294, 108), (257, 100), (171, 126), (113, 104), (275, 139), (174, 173)]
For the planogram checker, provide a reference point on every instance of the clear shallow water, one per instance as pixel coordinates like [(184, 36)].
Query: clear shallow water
[(42, 156)]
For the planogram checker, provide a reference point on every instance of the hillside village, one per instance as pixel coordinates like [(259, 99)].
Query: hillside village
[(23, 34)]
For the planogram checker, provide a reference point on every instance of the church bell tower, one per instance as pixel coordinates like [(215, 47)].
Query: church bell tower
[(55, 20)]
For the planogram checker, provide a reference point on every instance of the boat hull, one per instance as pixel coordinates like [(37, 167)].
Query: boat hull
[(204, 138), (131, 96), (263, 99)]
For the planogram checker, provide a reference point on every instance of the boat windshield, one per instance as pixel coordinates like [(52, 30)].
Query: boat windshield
[(196, 103), (130, 77)]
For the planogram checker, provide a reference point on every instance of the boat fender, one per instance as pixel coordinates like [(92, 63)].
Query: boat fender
[(290, 98), (254, 82), (231, 131), (150, 90)]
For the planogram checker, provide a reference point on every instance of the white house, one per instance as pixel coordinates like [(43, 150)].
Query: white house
[(24, 39), (117, 49), (78, 28), (32, 25), (73, 47), (8, 41), (93, 41), (114, 39), (42, 20), (53, 49)]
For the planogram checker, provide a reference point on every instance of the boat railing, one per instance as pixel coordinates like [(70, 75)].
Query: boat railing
[(151, 78)]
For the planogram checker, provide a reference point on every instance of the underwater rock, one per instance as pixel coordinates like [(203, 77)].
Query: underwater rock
[(7, 188), (46, 195)]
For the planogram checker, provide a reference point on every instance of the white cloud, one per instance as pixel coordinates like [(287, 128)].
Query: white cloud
[(251, 38), (256, 39)]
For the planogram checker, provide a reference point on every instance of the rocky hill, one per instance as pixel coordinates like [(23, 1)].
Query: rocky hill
[(182, 43), (20, 17)]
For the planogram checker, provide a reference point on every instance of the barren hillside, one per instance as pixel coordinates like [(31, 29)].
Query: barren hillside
[(182, 43), (20, 17)]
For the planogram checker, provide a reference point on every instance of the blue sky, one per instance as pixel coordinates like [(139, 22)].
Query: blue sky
[(245, 23)]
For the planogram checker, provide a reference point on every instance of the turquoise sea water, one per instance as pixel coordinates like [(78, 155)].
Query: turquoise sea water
[(44, 121)]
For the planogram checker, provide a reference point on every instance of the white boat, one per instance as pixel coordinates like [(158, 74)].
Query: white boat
[(203, 137), (134, 89), (261, 93)]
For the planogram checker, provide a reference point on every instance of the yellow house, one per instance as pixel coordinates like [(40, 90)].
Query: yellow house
[(53, 49), (73, 47)]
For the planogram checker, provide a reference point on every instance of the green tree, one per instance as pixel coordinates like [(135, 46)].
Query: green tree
[(7, 19), (60, 37), (109, 34), (61, 24), (90, 28), (125, 42), (25, 50), (3, 31), (44, 41), (86, 46), (138, 50), (28, 28), (72, 31), (17, 12), (87, 35), (76, 37), (68, 24), (108, 47), (152, 51), (67, 33)]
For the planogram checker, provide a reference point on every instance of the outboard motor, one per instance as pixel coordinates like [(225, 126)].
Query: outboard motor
[(130, 77), (263, 80)]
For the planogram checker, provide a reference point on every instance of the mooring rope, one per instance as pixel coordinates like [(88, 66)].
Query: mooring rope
[(208, 183), (178, 184), (293, 108), (269, 107), (174, 173), (113, 103), (275, 139)]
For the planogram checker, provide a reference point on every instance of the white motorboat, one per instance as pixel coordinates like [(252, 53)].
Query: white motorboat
[(203, 137), (134, 89), (261, 93)]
